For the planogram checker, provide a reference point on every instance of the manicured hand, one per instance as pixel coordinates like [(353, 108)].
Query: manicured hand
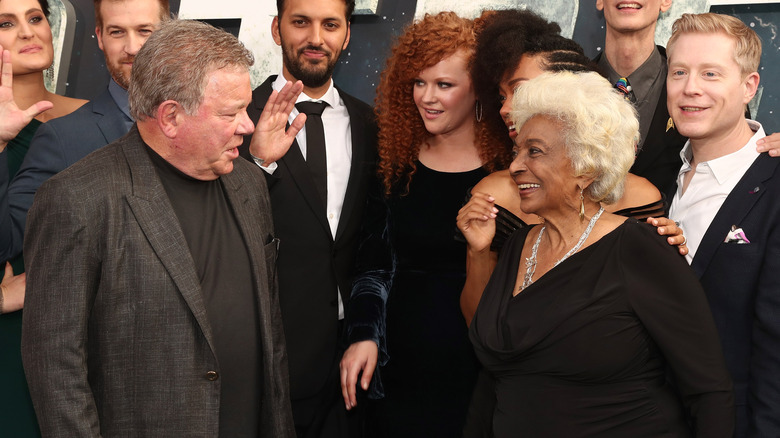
[(477, 221), (769, 144), (13, 287), (668, 227), (12, 118), (359, 357)]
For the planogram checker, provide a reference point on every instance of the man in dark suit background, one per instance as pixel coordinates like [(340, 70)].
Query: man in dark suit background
[(121, 28), (728, 202), (152, 305), (630, 52), (317, 219)]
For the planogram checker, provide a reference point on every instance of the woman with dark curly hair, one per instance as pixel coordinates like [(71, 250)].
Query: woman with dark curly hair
[(434, 144)]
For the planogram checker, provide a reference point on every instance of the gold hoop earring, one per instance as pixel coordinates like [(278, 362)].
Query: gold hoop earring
[(478, 111)]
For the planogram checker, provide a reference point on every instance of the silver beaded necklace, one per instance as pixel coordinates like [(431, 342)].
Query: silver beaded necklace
[(530, 262)]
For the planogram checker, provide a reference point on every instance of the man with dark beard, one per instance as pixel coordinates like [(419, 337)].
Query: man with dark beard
[(318, 189), (121, 27)]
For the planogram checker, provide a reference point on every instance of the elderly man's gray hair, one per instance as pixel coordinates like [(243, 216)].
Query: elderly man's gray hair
[(175, 62)]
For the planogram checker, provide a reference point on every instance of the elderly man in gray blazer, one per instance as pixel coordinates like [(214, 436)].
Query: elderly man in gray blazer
[(152, 305)]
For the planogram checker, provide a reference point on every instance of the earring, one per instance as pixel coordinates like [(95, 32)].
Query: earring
[(669, 124), (582, 206), (49, 74), (478, 111)]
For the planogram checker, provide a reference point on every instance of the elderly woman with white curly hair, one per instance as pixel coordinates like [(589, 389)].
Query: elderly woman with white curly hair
[(585, 312)]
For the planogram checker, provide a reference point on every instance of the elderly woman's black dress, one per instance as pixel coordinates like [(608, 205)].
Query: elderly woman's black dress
[(582, 352)]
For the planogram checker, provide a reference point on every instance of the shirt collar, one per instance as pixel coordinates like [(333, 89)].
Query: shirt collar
[(723, 168), (119, 95), (331, 97), (643, 78)]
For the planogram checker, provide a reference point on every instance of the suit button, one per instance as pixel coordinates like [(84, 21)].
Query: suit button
[(212, 375)]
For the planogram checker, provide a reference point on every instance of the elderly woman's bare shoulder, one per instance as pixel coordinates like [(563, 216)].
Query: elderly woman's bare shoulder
[(638, 192), (500, 186)]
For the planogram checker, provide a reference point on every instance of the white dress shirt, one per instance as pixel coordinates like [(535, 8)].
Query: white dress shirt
[(709, 187), (338, 152)]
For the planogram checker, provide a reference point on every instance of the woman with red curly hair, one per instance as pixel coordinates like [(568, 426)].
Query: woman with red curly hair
[(434, 144)]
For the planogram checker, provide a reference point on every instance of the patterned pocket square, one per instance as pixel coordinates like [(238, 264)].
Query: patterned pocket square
[(736, 235)]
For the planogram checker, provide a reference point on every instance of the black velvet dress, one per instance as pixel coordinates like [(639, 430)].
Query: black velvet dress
[(582, 352), (418, 270)]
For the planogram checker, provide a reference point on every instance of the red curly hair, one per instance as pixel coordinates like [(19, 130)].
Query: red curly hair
[(401, 130)]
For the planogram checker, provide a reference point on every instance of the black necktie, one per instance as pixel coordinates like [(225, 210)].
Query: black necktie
[(625, 89), (315, 145)]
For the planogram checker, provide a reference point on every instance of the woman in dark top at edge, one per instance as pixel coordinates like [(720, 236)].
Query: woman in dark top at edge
[(26, 52), (584, 312), (513, 47)]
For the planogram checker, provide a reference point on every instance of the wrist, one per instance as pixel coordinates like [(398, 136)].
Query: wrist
[(262, 162), (473, 252), (259, 161)]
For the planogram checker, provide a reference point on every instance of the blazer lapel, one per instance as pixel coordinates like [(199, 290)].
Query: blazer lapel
[(292, 164), (111, 124), (251, 231), (734, 209), (357, 128), (155, 216), (658, 137)]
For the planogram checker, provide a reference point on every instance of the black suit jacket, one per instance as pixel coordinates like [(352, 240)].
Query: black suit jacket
[(659, 159), (742, 283), (312, 263)]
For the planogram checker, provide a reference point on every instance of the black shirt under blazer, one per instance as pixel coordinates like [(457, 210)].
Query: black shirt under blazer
[(312, 263)]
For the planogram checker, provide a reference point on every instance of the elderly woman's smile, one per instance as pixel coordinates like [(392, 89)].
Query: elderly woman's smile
[(541, 169)]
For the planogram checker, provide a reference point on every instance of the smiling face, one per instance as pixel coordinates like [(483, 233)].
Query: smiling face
[(25, 32), (445, 97), (627, 16), (207, 141), (530, 66), (706, 89), (126, 25), (312, 34), (541, 169)]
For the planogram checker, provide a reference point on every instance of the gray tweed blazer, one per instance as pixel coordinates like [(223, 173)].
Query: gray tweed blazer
[(116, 340)]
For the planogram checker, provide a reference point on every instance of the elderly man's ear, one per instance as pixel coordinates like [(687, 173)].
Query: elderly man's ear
[(169, 114)]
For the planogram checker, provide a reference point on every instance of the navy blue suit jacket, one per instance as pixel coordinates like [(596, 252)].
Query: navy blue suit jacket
[(742, 283), (57, 144)]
